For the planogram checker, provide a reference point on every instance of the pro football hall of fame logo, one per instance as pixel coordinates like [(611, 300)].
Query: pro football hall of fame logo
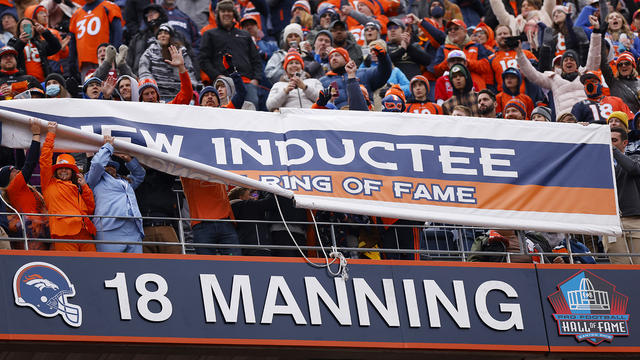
[(589, 308)]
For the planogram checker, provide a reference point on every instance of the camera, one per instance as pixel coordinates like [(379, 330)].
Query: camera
[(512, 41)]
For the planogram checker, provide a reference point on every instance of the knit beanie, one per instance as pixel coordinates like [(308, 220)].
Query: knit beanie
[(516, 103), (542, 110), (341, 51), (292, 55), (292, 29), (620, 116)]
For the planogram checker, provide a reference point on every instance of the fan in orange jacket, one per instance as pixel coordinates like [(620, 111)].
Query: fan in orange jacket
[(66, 193)]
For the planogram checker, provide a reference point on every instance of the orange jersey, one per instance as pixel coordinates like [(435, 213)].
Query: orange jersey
[(32, 61), (92, 29), (501, 61), (424, 108), (206, 200), (502, 99)]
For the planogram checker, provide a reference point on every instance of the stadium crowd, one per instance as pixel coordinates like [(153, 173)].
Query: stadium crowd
[(575, 61)]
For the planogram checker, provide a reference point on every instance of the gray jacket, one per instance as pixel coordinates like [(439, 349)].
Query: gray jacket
[(628, 183)]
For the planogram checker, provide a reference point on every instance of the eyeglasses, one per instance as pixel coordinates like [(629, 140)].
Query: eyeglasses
[(453, 28), (624, 63)]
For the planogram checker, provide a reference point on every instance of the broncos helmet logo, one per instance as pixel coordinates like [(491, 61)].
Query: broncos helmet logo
[(46, 289)]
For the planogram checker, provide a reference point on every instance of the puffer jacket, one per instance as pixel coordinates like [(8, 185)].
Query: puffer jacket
[(152, 65), (565, 92), (296, 98)]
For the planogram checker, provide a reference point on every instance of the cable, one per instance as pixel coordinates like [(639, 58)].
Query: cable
[(335, 254)]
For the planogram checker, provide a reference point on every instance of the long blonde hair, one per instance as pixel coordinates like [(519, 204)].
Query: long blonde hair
[(625, 29)]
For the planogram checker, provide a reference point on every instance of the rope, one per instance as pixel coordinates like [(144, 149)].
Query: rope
[(335, 254)]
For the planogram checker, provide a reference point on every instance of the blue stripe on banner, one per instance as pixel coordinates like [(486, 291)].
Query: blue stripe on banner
[(446, 158)]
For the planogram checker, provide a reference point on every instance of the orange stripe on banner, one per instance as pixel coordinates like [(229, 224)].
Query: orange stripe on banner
[(87, 254), (345, 344), (491, 196)]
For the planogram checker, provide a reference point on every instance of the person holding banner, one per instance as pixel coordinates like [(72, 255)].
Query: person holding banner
[(627, 170), (66, 193), (24, 197), (115, 196)]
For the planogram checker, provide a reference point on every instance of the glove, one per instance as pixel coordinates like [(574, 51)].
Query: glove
[(603, 28), (324, 96), (378, 50), (227, 62)]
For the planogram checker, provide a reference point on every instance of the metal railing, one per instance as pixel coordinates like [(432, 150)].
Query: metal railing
[(436, 241)]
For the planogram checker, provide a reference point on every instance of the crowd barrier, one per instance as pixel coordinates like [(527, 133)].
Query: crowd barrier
[(440, 242)]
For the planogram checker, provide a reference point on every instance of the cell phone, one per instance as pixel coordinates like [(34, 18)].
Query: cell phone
[(27, 29), (334, 85)]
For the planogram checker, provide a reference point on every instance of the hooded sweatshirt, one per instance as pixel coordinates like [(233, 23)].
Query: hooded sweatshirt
[(505, 95), (134, 88), (236, 99), (466, 96)]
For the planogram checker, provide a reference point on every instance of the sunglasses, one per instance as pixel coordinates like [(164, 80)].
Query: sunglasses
[(624, 63), (453, 28)]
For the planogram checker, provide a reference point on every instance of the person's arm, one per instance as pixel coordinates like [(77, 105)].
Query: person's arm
[(530, 72), (593, 58), (52, 45), (381, 72), (358, 16), (241, 92), (103, 70), (627, 163), (115, 32), (185, 94), (46, 155), (277, 95), (548, 5), (136, 171), (438, 35), (355, 97), (313, 88), (439, 64), (34, 151), (87, 195), (504, 18), (99, 161)]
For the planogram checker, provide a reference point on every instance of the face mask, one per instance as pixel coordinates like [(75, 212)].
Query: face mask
[(592, 90), (437, 12), (53, 90)]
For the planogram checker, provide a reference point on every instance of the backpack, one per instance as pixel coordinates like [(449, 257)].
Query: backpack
[(484, 243)]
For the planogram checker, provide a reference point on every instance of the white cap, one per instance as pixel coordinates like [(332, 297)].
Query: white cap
[(457, 54)]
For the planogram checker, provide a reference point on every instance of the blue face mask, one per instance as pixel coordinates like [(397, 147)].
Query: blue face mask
[(53, 90), (437, 12)]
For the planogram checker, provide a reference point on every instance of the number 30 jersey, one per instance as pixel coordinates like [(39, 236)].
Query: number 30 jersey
[(91, 28), (590, 111)]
